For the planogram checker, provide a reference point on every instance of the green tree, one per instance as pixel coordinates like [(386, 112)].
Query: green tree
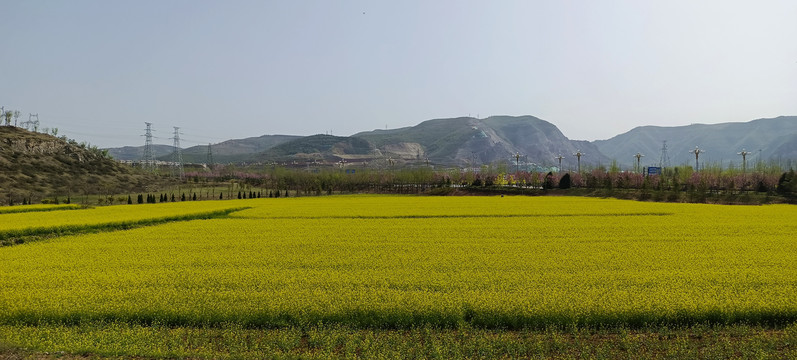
[(787, 184), (548, 183), (564, 182)]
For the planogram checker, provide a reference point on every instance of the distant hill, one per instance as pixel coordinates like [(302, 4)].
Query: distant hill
[(137, 152), (318, 148), (775, 138), (236, 150), (458, 141), (230, 151), (37, 166), (464, 141), (468, 141)]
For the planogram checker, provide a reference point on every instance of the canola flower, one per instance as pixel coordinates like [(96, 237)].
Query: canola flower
[(403, 262), (23, 221), (37, 208)]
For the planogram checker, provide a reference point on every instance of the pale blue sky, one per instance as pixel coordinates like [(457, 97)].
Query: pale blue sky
[(232, 69)]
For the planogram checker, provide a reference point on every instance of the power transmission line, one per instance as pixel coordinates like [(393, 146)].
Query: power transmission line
[(148, 161), (664, 159), (210, 162), (30, 123), (177, 156)]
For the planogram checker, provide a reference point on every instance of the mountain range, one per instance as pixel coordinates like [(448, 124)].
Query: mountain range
[(765, 139), (468, 141)]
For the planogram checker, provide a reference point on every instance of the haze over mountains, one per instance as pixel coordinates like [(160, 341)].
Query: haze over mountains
[(775, 138), (467, 141)]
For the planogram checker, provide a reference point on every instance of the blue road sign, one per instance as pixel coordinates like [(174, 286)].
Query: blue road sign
[(654, 170)]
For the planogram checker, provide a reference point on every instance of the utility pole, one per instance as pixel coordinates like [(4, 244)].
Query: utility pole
[(697, 152), (148, 160), (578, 154), (16, 117), (638, 157), (744, 154), (559, 157), (177, 156), (210, 162)]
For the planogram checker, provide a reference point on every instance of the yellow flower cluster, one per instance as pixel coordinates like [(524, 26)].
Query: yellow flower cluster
[(34, 219), (401, 261)]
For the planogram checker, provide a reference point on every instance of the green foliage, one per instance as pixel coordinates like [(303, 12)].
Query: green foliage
[(787, 184), (549, 182), (323, 341), (564, 182)]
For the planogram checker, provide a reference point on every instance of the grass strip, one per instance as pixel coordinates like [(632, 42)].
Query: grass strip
[(15, 237), (402, 319), (94, 340)]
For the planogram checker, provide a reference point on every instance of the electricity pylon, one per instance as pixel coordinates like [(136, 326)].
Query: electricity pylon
[(177, 155)]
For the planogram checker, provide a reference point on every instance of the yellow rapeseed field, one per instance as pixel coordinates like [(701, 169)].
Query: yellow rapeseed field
[(105, 214), (403, 262), (37, 208)]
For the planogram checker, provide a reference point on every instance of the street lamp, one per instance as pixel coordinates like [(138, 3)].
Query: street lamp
[(517, 162), (697, 151), (560, 157), (638, 156), (578, 154), (744, 154)]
